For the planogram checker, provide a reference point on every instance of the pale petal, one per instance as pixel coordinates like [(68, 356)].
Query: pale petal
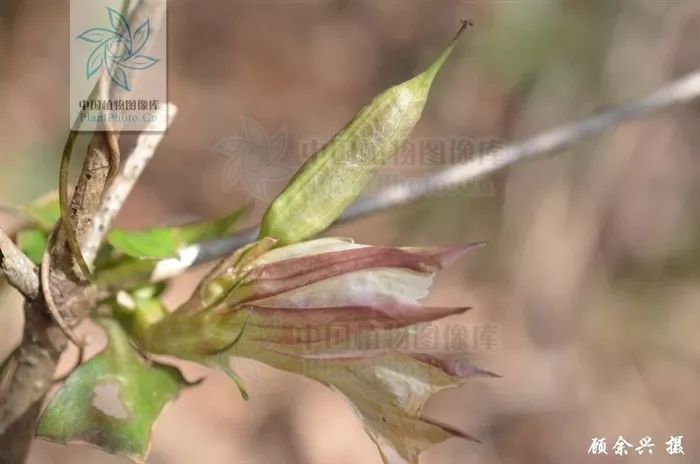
[(386, 390), (311, 247), (333, 326), (283, 307), (368, 287), (271, 279)]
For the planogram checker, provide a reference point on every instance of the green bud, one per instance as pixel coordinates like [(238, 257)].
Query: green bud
[(336, 174)]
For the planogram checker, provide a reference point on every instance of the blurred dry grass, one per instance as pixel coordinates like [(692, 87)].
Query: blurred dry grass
[(592, 273)]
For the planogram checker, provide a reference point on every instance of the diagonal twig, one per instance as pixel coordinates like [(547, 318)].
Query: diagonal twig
[(19, 271), (680, 91)]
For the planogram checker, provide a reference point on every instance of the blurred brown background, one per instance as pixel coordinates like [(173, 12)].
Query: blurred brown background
[(592, 272)]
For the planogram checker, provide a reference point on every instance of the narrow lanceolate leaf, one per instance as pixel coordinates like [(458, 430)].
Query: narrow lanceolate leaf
[(209, 229), (112, 400), (32, 242), (164, 242), (335, 176), (132, 269), (154, 243), (42, 212), (40, 216)]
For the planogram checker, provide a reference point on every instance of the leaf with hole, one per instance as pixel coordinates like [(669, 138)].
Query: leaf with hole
[(113, 400)]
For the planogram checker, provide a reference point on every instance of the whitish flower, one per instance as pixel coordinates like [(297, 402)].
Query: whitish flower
[(339, 313)]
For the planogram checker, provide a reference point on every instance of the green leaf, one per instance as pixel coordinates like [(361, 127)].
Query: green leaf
[(32, 242), (149, 292), (137, 310), (112, 400), (164, 242), (211, 229), (335, 176), (126, 272), (154, 243), (44, 211)]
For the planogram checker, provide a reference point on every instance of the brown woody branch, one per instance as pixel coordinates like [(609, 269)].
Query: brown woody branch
[(119, 189), (43, 341), (19, 271)]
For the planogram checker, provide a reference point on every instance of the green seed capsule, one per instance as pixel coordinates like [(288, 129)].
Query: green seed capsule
[(336, 174)]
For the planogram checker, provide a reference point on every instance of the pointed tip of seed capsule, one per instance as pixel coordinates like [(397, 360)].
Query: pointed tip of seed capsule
[(463, 25), (425, 79), (336, 174)]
